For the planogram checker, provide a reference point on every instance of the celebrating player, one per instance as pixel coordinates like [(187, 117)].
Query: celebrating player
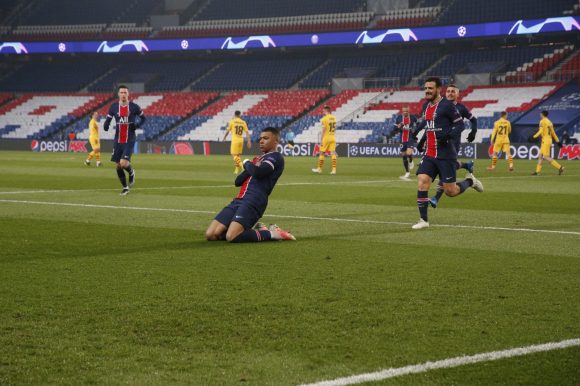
[(237, 126), (94, 140), (405, 124), (443, 124), (257, 180), (327, 140), (500, 141), (125, 114), (547, 132)]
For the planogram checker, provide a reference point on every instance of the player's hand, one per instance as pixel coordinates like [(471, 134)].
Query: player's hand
[(471, 136), (249, 145), (559, 144), (420, 147), (531, 139)]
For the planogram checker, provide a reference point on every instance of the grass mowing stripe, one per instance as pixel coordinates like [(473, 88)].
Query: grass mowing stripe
[(448, 363), (334, 219)]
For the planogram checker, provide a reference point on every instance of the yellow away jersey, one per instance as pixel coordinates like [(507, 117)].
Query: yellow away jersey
[(501, 131), (93, 129), (546, 130), (328, 125), (237, 127)]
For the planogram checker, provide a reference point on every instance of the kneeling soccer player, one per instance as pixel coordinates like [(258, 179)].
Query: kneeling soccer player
[(235, 222)]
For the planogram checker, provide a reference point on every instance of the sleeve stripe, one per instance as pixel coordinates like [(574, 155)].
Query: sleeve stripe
[(270, 163), (458, 119)]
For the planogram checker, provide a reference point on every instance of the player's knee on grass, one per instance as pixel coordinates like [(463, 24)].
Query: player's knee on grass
[(234, 230)]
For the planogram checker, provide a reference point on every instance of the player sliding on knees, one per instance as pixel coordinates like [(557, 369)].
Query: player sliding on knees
[(125, 114), (443, 124), (235, 222)]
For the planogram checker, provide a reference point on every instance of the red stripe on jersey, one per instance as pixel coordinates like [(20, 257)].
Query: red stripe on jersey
[(406, 123), (431, 137), (244, 188), (123, 127)]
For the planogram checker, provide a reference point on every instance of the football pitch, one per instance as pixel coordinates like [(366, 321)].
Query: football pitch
[(97, 288)]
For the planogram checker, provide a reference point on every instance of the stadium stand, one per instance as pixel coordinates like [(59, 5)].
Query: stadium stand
[(259, 109), (256, 74), (40, 116), (408, 17), (492, 10)]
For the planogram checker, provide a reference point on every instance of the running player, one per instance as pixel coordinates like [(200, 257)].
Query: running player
[(237, 126), (94, 140), (257, 180), (547, 132), (452, 94), (405, 123), (125, 114), (327, 140), (443, 124), (500, 141)]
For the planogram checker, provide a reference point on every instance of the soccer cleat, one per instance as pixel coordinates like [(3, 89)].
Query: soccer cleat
[(132, 178), (477, 185), (511, 168), (421, 224), (411, 165), (98, 163), (333, 171), (535, 174), (87, 162), (433, 201), (561, 170), (405, 178), (491, 168), (469, 166), (316, 170), (125, 191), (279, 234)]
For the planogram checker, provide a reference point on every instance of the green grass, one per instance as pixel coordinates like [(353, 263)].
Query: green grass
[(104, 294)]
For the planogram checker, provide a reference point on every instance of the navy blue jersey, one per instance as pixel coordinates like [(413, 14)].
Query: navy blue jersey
[(259, 179), (466, 114), (408, 125), (125, 117), (442, 124)]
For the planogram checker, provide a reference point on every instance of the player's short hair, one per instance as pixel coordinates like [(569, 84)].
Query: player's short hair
[(122, 86), (237, 113), (452, 85), (434, 79), (327, 108), (503, 113), (545, 113), (272, 130)]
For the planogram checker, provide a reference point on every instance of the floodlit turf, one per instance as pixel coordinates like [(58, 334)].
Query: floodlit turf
[(99, 288)]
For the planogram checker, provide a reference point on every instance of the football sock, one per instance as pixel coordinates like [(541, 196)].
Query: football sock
[(333, 158), (129, 169), (555, 164), (406, 163), (90, 157), (538, 168), (463, 185), (122, 177), (237, 161), (439, 190), (510, 160), (252, 235), (493, 161), (98, 155), (410, 157), (423, 203), (321, 161)]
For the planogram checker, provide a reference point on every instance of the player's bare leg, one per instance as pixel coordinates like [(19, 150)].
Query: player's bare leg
[(423, 185), (216, 231)]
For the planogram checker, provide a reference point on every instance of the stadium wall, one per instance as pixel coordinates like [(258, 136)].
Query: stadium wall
[(351, 150)]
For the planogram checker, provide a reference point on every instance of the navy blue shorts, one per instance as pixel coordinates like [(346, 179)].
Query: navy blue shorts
[(407, 145), (240, 212), (122, 151), (433, 167)]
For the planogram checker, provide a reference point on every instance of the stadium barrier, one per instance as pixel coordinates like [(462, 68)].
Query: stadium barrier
[(354, 150)]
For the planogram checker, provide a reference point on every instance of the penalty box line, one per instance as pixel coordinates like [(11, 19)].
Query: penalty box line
[(447, 363), (294, 217)]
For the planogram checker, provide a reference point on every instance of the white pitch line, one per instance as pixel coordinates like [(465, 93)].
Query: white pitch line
[(447, 363), (334, 219)]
